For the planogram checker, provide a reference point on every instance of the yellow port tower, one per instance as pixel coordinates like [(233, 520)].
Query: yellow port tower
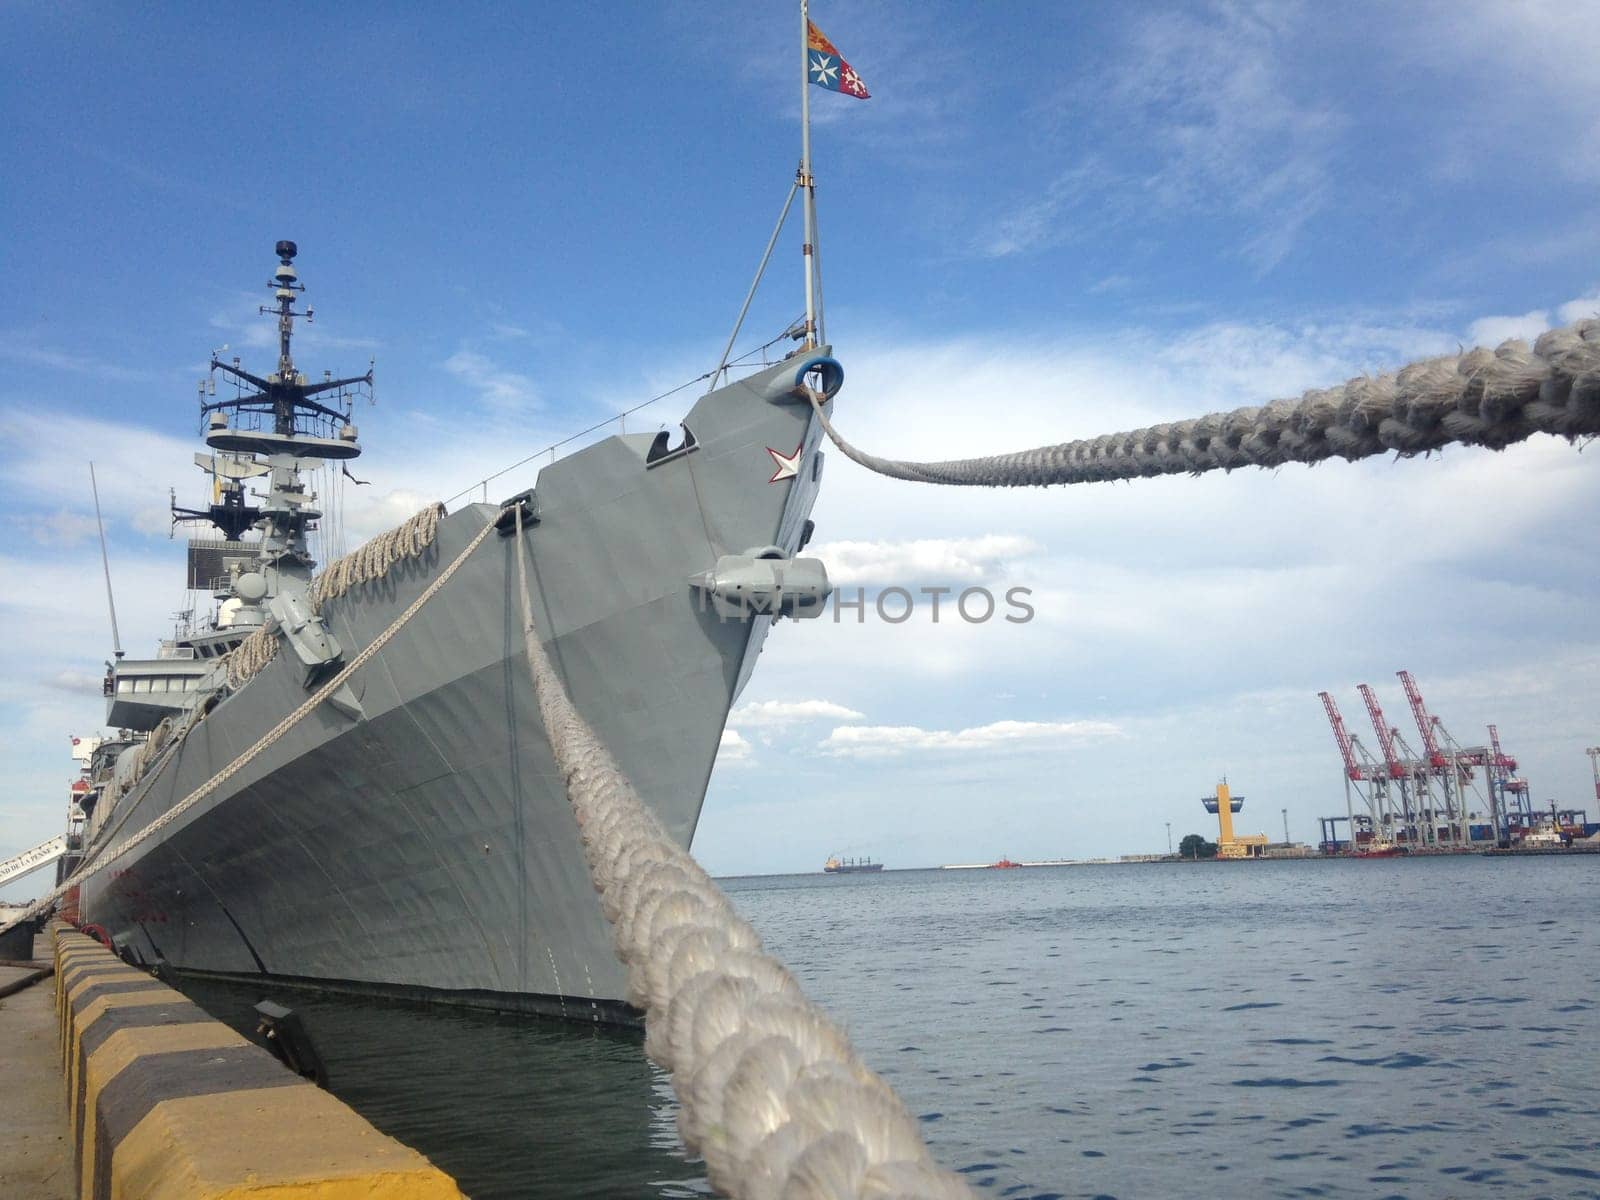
[(1224, 804)]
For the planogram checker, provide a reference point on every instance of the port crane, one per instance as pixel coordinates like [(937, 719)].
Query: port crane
[(1511, 792), (1401, 774), (1450, 763), (1353, 771), (1434, 798), (1463, 760), (1364, 778)]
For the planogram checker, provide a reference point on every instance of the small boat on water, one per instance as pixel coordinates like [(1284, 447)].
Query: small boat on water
[(1546, 837), (1381, 850), (1005, 864), (849, 866)]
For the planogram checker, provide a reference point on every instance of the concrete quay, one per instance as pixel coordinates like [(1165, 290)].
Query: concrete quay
[(35, 1155), (119, 1086)]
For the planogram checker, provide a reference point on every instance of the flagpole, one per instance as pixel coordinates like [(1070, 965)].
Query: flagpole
[(804, 178)]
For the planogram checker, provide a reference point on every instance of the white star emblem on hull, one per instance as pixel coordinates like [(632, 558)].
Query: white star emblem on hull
[(788, 464)]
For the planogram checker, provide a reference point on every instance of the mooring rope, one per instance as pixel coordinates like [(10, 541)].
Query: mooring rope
[(374, 559), (772, 1094), (251, 656), (105, 857), (1478, 398)]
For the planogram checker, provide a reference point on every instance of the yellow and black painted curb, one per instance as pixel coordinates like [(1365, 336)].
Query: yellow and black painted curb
[(165, 1103)]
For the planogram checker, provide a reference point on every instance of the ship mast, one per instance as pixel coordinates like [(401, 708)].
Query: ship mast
[(279, 419), (805, 181), (812, 333), (288, 284)]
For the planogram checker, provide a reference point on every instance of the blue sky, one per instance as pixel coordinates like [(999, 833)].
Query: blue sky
[(1050, 221)]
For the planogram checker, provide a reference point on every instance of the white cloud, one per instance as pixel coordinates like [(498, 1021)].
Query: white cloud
[(21, 346), (921, 560), (1236, 131), (1581, 309), (1208, 115), (60, 528), (733, 750), (885, 741), (1491, 331), (1040, 223), (1541, 59), (47, 457), (768, 714), (82, 683), (496, 386)]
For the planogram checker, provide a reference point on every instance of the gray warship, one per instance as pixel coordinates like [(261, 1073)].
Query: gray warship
[(410, 836)]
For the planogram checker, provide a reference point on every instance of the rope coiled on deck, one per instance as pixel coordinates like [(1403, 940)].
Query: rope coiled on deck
[(772, 1094), (374, 559), (1477, 398), (246, 660)]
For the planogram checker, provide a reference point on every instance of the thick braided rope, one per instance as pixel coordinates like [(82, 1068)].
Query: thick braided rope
[(106, 857), (1478, 398), (772, 1094), (246, 660), (374, 559)]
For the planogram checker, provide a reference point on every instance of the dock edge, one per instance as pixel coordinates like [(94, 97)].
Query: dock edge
[(165, 1103)]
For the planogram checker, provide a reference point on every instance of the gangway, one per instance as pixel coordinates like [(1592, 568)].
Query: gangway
[(29, 861)]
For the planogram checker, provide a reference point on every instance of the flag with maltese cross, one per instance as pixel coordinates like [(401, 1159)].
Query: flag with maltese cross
[(826, 69)]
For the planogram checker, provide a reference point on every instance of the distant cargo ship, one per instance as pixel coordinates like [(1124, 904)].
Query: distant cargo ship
[(849, 866)]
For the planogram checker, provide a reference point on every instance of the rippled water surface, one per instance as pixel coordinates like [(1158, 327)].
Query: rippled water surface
[(1385, 1028)]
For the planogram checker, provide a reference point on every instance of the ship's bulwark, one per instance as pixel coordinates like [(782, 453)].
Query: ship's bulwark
[(426, 848)]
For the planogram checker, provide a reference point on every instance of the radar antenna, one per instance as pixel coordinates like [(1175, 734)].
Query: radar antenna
[(280, 415), (272, 425)]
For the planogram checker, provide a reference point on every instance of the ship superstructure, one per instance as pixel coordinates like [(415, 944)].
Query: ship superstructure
[(272, 430)]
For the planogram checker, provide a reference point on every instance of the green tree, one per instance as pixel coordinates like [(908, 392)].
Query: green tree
[(1195, 846)]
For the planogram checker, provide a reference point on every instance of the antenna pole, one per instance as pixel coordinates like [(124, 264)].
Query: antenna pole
[(804, 178), (105, 562)]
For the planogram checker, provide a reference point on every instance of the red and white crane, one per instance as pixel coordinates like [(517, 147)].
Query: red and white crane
[(1352, 769), (1503, 779), (1380, 725), (1419, 713), (1356, 774), (1403, 773), (1452, 765)]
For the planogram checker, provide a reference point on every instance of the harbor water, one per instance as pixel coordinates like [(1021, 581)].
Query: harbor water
[(1416, 1028)]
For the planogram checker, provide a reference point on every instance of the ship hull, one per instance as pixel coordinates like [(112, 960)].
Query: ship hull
[(422, 845)]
